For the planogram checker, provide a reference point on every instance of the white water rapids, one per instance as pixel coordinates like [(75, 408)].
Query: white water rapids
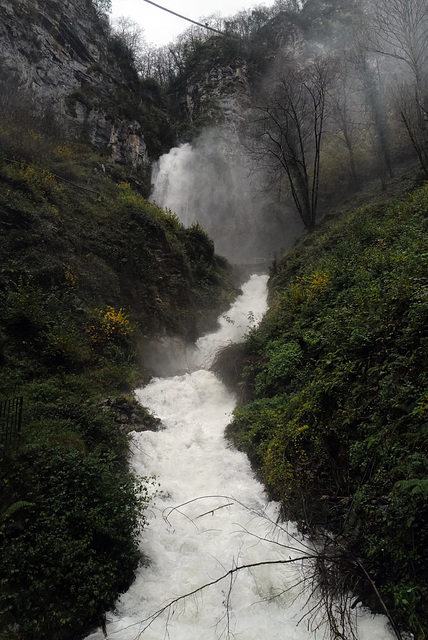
[(212, 516)]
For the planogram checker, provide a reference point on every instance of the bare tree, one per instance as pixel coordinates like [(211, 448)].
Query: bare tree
[(370, 77), (289, 128), (400, 31), (413, 119), (248, 21), (346, 113), (160, 63), (400, 28), (288, 5), (132, 36), (321, 579)]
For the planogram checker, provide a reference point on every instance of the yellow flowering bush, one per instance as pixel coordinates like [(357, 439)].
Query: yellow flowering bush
[(124, 186), (170, 217), (70, 279), (110, 324), (318, 281), (296, 294), (65, 151), (39, 178), (72, 150)]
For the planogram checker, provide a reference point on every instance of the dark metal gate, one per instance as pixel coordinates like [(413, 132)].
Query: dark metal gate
[(10, 420)]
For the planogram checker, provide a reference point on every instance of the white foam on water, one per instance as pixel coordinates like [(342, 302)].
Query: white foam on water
[(212, 516)]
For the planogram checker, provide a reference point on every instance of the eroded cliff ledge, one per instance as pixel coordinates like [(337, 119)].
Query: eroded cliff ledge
[(58, 55)]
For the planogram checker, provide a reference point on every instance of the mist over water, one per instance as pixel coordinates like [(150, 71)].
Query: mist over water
[(211, 182), (213, 515)]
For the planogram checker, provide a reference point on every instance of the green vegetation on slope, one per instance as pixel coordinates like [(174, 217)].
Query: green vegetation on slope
[(337, 391), (88, 269)]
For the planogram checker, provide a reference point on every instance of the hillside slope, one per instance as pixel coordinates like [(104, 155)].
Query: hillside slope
[(90, 270), (335, 385)]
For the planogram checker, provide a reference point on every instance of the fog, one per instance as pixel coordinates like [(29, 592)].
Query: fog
[(212, 182)]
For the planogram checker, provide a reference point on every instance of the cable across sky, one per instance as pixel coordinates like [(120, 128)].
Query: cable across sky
[(199, 24)]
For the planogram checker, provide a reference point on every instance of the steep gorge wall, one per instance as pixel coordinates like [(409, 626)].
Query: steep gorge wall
[(215, 179), (224, 72), (56, 55)]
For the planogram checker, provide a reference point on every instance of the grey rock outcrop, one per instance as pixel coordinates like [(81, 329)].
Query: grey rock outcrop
[(220, 94), (56, 55)]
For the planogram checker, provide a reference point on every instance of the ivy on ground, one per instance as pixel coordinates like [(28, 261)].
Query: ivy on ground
[(337, 375)]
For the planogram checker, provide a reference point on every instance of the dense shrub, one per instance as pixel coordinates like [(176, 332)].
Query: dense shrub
[(337, 376), (71, 546), (89, 269)]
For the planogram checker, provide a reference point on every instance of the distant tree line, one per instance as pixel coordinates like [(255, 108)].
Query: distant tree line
[(102, 6)]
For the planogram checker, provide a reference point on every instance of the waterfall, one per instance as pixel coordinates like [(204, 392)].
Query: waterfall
[(211, 517), (212, 181)]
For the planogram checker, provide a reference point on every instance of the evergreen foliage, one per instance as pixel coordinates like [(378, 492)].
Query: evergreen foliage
[(88, 269), (337, 379)]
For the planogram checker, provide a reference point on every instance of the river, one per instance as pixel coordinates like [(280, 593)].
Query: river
[(211, 517)]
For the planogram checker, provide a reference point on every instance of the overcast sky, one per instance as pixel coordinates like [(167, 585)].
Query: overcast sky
[(161, 27)]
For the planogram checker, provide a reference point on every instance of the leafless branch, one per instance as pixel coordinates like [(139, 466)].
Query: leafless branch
[(327, 591)]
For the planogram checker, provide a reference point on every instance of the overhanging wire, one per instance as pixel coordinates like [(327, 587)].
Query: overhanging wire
[(199, 24)]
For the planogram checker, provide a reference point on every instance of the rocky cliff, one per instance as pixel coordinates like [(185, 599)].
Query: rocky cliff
[(221, 93), (215, 179), (222, 73), (57, 55)]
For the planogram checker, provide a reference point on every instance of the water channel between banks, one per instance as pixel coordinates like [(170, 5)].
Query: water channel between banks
[(213, 516)]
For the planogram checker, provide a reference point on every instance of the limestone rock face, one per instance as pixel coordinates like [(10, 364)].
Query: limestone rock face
[(222, 93), (219, 87), (56, 55)]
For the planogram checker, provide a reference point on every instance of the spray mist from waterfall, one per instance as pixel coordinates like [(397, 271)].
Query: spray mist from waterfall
[(211, 182), (220, 563)]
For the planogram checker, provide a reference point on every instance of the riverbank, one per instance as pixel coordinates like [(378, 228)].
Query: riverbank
[(90, 269), (219, 562), (334, 392)]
